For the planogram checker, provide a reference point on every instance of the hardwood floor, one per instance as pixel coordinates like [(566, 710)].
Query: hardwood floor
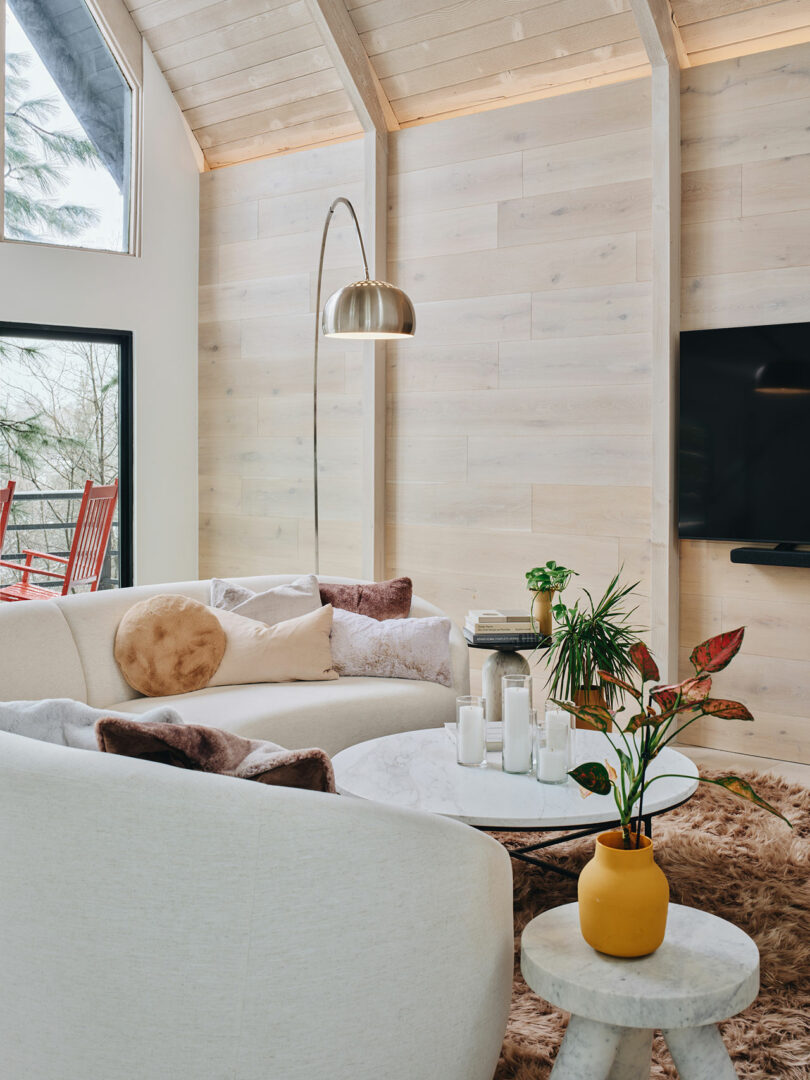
[(792, 771)]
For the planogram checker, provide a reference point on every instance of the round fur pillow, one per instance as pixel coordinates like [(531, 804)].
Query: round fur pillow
[(169, 645)]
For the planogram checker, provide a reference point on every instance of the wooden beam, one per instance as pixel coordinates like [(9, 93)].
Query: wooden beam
[(658, 33), (377, 118), (352, 65)]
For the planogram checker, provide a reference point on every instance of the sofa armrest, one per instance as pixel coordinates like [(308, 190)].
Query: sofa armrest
[(459, 653), (210, 926)]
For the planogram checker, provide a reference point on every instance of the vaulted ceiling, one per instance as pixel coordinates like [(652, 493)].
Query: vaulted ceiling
[(253, 77)]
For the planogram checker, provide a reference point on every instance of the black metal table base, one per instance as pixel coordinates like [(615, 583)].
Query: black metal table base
[(526, 854)]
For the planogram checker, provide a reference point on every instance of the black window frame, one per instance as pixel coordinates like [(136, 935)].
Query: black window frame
[(126, 432)]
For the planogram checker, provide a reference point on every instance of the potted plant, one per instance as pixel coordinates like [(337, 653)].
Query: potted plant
[(591, 637), (623, 895), (543, 582)]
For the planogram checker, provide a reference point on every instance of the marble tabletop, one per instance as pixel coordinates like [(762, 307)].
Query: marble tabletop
[(418, 770), (706, 970)]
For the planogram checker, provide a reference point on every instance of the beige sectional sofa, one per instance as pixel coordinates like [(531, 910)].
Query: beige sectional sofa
[(159, 922), (64, 648)]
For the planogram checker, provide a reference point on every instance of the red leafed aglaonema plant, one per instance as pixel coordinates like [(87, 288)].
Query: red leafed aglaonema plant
[(662, 712)]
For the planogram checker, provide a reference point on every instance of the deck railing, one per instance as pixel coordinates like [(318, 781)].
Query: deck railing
[(109, 572)]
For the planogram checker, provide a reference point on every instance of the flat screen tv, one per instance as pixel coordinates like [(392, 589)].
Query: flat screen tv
[(744, 434)]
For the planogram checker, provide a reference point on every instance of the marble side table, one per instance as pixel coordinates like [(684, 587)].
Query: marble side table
[(502, 660), (705, 971)]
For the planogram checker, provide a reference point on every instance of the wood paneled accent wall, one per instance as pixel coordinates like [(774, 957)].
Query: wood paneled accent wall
[(518, 424), (519, 417), (260, 235), (746, 260)]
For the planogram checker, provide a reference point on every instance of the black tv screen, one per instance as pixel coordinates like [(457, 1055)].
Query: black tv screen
[(744, 434)]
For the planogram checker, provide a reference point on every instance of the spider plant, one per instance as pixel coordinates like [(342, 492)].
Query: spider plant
[(590, 637)]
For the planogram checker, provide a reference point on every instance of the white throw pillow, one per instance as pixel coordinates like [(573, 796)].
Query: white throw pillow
[(276, 605), (68, 722), (392, 648), (294, 650)]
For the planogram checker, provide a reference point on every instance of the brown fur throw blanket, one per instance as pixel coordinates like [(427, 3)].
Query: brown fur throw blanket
[(193, 746)]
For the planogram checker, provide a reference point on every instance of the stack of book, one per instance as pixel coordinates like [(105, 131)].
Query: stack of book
[(505, 628)]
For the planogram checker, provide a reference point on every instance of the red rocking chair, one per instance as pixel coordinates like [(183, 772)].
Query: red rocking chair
[(83, 565), (6, 499)]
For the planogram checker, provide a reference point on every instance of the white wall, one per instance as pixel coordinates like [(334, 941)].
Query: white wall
[(155, 296)]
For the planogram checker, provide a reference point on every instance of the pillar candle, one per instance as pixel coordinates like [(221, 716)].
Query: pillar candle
[(471, 735), (517, 734)]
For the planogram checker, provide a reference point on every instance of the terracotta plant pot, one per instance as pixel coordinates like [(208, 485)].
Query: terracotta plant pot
[(541, 611), (592, 696), (623, 898)]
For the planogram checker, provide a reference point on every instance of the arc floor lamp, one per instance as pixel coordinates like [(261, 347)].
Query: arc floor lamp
[(364, 310)]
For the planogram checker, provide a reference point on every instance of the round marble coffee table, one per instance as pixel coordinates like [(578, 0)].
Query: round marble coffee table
[(418, 770), (705, 971)]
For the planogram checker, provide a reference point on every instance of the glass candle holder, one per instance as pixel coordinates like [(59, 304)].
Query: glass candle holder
[(517, 723), (471, 732), (553, 747)]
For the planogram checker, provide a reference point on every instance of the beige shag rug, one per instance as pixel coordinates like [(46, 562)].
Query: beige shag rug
[(724, 856)]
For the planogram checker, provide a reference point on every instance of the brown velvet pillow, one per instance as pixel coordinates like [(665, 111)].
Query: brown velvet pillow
[(169, 645), (382, 600), (205, 749)]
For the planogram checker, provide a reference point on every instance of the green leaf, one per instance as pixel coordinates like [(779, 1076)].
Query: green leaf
[(625, 759), (593, 776), (737, 786)]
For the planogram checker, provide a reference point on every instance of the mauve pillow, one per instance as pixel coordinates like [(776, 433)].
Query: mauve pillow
[(380, 600), (393, 648), (273, 606), (205, 749)]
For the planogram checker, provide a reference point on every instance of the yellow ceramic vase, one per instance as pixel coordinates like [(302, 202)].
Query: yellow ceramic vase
[(623, 898)]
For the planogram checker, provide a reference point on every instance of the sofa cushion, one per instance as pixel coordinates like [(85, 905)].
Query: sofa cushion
[(38, 655), (207, 749), (332, 715), (67, 722), (93, 619), (295, 650), (169, 645), (392, 648), (271, 606), (377, 600)]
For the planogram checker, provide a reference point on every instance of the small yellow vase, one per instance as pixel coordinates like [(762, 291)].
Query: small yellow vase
[(623, 898)]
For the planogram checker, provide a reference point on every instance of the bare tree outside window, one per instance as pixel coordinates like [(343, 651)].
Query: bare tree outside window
[(59, 426)]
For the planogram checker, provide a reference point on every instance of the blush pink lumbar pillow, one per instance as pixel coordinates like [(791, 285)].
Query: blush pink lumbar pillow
[(378, 600), (205, 749), (297, 650), (393, 648)]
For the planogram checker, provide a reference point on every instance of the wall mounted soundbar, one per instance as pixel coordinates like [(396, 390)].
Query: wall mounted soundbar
[(781, 555)]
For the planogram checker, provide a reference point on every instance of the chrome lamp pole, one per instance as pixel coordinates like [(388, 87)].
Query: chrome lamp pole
[(364, 310)]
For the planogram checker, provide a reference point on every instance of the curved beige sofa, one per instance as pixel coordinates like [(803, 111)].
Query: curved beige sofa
[(64, 648), (157, 922)]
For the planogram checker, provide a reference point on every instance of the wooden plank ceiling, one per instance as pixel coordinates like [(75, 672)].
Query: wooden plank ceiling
[(253, 77)]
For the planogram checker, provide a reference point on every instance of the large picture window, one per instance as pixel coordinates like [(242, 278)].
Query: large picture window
[(68, 129), (65, 418)]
